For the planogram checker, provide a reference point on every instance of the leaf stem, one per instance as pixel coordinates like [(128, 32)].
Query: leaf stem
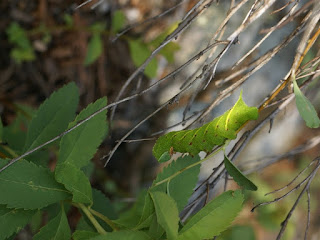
[(91, 218), (105, 219)]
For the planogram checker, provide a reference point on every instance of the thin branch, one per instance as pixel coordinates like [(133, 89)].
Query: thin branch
[(191, 16), (151, 19), (306, 179), (267, 161), (309, 214), (285, 222)]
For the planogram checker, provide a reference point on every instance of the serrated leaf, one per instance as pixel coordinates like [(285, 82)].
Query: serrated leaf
[(133, 216), (79, 146), (53, 116), (95, 48), (36, 184), (167, 213), (147, 214), (214, 218), (155, 230), (103, 205), (139, 52), (84, 235), (238, 176), (118, 21), (180, 188), (75, 181), (305, 107), (123, 234), (13, 220), (57, 229), (209, 135)]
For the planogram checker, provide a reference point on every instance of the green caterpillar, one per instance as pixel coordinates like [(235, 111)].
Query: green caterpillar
[(212, 134)]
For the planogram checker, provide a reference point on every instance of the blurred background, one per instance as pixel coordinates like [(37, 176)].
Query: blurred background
[(99, 44)]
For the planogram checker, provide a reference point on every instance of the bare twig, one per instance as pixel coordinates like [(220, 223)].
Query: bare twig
[(309, 213), (285, 222), (151, 19)]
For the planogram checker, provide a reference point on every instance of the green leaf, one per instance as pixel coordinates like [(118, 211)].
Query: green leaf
[(75, 181), (169, 50), (238, 176), (34, 183), (180, 188), (79, 146), (22, 50), (305, 107), (123, 234), (147, 213), (53, 116), (209, 135), (118, 21), (137, 214), (167, 213), (139, 52), (95, 48), (103, 205), (214, 218), (36, 221), (13, 220), (155, 230), (84, 224), (238, 232), (84, 235), (57, 229), (68, 19)]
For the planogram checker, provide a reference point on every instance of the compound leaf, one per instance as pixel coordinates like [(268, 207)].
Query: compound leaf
[(214, 218), (238, 176), (132, 217), (34, 183), (57, 229), (209, 135), (167, 213), (53, 116), (103, 205), (79, 146), (155, 230), (13, 220), (75, 181), (305, 107), (181, 186), (147, 213)]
